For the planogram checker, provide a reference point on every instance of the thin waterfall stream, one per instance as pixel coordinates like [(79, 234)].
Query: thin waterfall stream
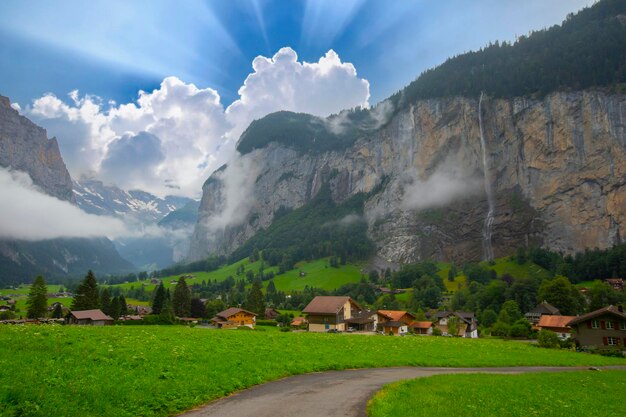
[(488, 225)]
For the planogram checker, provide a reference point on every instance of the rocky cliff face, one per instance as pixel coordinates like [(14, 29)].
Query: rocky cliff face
[(557, 169), (24, 146)]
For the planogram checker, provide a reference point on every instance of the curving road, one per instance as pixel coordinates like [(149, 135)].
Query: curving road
[(334, 393)]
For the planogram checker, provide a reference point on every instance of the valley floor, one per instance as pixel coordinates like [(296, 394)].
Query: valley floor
[(164, 370)]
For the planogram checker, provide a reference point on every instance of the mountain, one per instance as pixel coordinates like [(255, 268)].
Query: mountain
[(169, 243), (448, 174), (25, 146), (95, 197), (186, 216)]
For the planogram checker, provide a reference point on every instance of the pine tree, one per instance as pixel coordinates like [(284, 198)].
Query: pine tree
[(105, 301), (271, 287), (182, 299), (115, 308), (58, 312), (167, 313), (159, 299), (254, 301), (87, 297), (123, 305), (197, 308), (37, 301)]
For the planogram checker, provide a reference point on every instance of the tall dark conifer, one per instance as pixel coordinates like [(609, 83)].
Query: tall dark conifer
[(182, 299), (87, 296), (159, 299), (37, 301)]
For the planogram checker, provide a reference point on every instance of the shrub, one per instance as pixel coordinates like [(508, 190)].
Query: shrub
[(436, 331), (548, 339), (500, 329)]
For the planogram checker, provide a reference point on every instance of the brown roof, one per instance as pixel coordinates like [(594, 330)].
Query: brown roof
[(323, 304), (232, 311), (395, 315), (554, 321), (298, 321), (610, 309), (421, 324), (90, 315), (545, 308)]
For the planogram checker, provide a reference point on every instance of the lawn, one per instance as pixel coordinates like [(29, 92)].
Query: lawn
[(162, 370), (319, 275), (509, 266), (582, 393)]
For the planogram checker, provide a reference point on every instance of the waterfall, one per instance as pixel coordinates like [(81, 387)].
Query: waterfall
[(488, 225)]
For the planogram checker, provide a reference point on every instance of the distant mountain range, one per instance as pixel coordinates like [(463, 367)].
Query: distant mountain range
[(174, 217), (95, 197)]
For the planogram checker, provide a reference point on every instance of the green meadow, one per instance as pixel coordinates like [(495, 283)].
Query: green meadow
[(583, 393), (162, 370)]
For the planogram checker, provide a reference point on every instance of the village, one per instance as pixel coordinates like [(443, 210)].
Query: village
[(602, 329)]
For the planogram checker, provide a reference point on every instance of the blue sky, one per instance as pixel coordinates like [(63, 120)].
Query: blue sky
[(114, 48)]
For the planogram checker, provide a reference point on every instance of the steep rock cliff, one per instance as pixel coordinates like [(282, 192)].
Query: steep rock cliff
[(24, 146), (557, 168)]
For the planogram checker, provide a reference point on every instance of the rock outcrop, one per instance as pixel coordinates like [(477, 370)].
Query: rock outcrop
[(557, 167), (24, 146)]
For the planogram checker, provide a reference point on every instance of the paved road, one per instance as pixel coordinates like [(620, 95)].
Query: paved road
[(330, 394)]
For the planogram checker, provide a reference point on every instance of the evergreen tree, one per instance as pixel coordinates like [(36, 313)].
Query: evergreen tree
[(271, 287), (254, 301), (182, 299), (115, 308), (198, 309), (159, 299), (105, 301), (37, 301), (87, 296), (123, 305), (58, 312), (167, 313)]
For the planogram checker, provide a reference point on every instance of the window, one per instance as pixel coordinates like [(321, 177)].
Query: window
[(622, 325), (609, 324), (595, 324), (612, 341)]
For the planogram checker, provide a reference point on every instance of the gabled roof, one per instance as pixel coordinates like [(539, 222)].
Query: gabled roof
[(231, 312), (90, 315), (323, 304), (554, 321), (421, 324), (605, 310), (545, 308), (466, 316), (394, 315)]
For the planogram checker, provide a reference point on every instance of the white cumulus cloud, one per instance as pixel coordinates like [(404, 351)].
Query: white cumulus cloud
[(179, 133)]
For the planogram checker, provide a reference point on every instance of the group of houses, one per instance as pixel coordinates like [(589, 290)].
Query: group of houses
[(342, 313)]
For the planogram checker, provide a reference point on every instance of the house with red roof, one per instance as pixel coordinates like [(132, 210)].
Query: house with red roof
[(556, 324)]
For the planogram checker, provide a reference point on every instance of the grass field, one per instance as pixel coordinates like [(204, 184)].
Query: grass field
[(582, 393), (318, 274), (160, 370), (508, 266)]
